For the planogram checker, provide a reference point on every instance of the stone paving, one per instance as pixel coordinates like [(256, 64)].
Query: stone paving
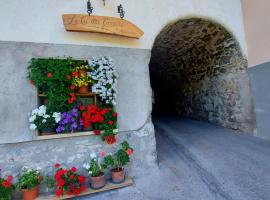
[(200, 161)]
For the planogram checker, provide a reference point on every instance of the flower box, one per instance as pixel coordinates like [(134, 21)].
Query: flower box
[(109, 186)]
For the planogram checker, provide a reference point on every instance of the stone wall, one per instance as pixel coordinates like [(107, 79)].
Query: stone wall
[(202, 66), (18, 146)]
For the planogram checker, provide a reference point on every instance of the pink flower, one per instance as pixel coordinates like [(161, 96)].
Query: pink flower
[(129, 152), (102, 154)]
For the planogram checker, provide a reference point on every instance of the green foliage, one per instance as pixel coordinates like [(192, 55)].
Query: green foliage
[(50, 76), (95, 169), (29, 179), (120, 158)]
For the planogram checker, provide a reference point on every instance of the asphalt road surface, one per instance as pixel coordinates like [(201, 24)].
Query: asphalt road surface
[(200, 161)]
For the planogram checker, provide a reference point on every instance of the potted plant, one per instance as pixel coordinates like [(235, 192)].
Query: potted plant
[(96, 172), (43, 121), (28, 183), (81, 80), (68, 181), (6, 188), (118, 161)]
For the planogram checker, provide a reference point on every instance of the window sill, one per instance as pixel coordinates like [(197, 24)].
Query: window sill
[(68, 135)]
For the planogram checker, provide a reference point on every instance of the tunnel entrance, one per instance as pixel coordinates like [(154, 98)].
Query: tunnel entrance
[(198, 70)]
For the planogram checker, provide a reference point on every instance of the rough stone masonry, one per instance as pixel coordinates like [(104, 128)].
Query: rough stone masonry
[(198, 65)]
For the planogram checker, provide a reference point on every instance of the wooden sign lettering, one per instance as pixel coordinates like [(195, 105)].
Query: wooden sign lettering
[(101, 24)]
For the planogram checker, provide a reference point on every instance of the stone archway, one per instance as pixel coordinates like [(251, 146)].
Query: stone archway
[(197, 70)]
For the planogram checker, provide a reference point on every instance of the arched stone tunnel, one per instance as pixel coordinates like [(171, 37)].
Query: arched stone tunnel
[(198, 70)]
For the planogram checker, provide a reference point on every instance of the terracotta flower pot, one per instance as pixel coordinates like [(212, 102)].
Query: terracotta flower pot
[(97, 182), (83, 89), (31, 194), (82, 73), (118, 175)]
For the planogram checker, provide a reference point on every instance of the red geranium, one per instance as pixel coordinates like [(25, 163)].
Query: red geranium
[(110, 122), (97, 132), (59, 192), (72, 98), (73, 169), (82, 107), (69, 182), (49, 75), (72, 87), (68, 77), (56, 165), (110, 139), (77, 192), (81, 179), (75, 74), (129, 151), (71, 176), (114, 114), (6, 184)]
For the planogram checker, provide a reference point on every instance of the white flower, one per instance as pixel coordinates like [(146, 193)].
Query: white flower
[(35, 112), (32, 118), (57, 116), (46, 116), (90, 172), (33, 127), (44, 121), (93, 155)]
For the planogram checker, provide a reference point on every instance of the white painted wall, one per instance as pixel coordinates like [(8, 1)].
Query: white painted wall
[(40, 21)]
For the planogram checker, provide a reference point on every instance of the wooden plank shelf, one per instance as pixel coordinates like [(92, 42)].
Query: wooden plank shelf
[(68, 135), (76, 94), (109, 186)]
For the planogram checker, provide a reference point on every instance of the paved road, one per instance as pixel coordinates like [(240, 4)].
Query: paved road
[(199, 161)]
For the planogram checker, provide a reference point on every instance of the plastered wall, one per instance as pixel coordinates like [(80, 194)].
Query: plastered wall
[(40, 21)]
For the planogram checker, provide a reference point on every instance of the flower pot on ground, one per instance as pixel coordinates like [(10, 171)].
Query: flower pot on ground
[(83, 89), (118, 175), (98, 181), (28, 183), (117, 161), (30, 194), (96, 171)]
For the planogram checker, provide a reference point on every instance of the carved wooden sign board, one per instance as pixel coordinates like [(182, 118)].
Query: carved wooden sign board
[(101, 24)]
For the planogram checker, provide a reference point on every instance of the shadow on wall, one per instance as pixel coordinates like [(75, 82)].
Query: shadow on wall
[(197, 70)]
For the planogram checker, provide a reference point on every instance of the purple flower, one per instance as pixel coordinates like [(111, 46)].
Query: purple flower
[(60, 129), (69, 120), (81, 122)]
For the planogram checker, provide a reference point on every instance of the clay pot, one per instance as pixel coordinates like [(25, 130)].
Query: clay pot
[(118, 175), (97, 182), (82, 73), (83, 89), (46, 101), (31, 194)]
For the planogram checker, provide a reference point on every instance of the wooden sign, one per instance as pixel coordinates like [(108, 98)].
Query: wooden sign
[(101, 24)]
